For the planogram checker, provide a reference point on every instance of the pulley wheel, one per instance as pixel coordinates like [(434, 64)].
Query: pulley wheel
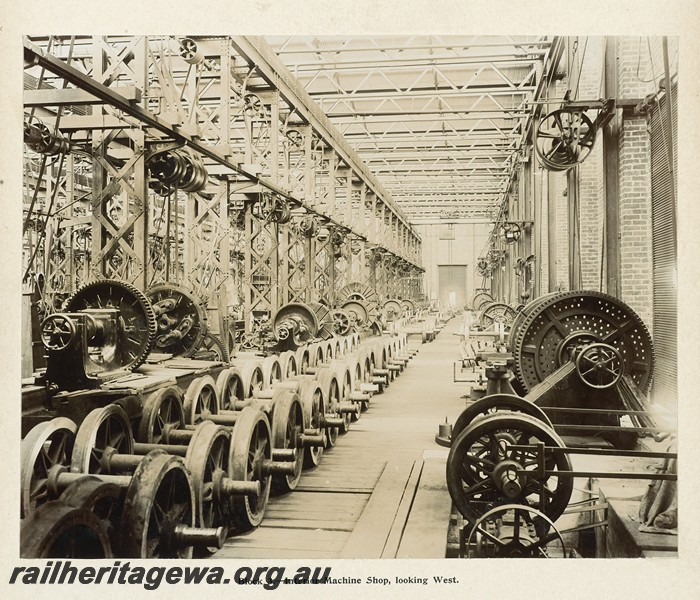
[(564, 138)]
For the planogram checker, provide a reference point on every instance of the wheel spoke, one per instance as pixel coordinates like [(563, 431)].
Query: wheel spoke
[(490, 536)]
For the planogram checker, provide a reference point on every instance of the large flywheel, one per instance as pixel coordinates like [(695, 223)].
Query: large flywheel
[(558, 327)]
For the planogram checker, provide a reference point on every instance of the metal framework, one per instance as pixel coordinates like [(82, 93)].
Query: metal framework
[(230, 105), (440, 120)]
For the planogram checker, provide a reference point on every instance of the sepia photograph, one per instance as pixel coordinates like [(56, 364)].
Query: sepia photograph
[(292, 304)]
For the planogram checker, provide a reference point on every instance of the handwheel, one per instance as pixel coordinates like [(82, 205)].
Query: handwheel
[(287, 428), (161, 412), (55, 530), (494, 403), (103, 428), (250, 447), (207, 459), (599, 365), (513, 531), (47, 444), (200, 400), (158, 500), (341, 321), (58, 332), (482, 468)]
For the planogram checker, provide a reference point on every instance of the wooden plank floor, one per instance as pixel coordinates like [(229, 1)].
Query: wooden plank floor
[(362, 499)]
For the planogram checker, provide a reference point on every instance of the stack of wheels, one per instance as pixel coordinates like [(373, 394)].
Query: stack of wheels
[(199, 465), (97, 493), (277, 430)]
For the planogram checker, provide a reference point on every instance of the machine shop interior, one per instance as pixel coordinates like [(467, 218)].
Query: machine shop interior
[(401, 296)]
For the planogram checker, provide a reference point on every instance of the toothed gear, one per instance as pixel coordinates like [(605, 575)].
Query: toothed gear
[(566, 319), (523, 313), (181, 318), (497, 312), (136, 313)]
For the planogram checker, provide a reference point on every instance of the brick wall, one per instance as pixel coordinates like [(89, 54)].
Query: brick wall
[(636, 268), (561, 206), (590, 172), (635, 218)]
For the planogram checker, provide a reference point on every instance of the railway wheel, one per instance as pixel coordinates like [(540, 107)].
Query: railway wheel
[(484, 469), (162, 411), (314, 407), (104, 429), (159, 501), (250, 447), (200, 400), (207, 460), (493, 404), (229, 388), (47, 444), (287, 429), (56, 530)]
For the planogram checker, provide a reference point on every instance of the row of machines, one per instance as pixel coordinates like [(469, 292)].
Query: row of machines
[(571, 377), (138, 442)]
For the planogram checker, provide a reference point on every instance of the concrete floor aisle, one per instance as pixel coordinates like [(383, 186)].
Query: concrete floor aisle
[(381, 490)]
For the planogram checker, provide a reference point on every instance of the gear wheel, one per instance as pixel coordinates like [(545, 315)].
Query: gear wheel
[(136, 311), (554, 326)]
